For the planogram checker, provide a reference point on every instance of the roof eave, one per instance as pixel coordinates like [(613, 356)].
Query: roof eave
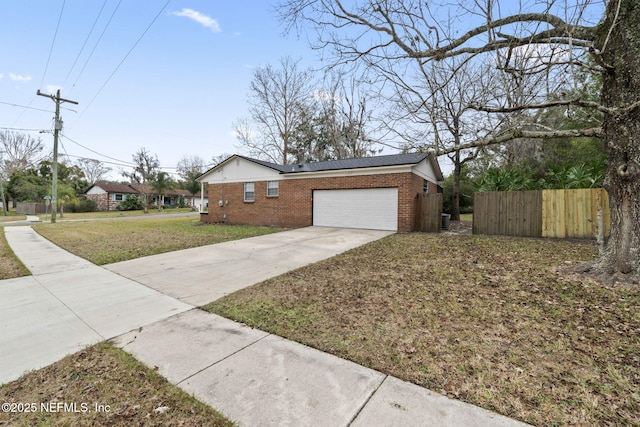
[(433, 160)]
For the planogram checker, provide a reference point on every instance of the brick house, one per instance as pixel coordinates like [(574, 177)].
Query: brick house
[(369, 192), (109, 195)]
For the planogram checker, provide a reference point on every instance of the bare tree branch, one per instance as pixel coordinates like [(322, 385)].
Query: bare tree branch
[(513, 134)]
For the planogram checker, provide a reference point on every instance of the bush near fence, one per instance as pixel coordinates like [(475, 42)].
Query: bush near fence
[(571, 213)]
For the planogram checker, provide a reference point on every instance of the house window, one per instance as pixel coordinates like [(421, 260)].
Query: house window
[(249, 192), (118, 197), (272, 188)]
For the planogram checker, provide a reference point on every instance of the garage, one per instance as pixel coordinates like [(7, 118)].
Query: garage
[(370, 208)]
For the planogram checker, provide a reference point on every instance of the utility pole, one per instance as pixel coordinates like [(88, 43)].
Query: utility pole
[(56, 129), (4, 204)]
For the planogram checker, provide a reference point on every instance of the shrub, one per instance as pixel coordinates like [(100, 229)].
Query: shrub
[(131, 203), (81, 206), (87, 205)]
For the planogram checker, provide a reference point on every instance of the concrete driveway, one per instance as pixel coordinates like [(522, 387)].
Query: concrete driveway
[(200, 275)]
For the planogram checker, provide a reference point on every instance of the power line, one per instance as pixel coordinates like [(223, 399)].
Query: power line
[(53, 42), (22, 129), (25, 106), (120, 162), (97, 160), (97, 43), (128, 53), (95, 152), (86, 40)]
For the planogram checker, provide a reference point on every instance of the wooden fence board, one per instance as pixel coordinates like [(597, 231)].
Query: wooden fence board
[(545, 213), (574, 213), (31, 208), (429, 212), (512, 213)]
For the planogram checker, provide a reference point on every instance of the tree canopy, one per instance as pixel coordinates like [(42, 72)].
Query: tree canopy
[(553, 40)]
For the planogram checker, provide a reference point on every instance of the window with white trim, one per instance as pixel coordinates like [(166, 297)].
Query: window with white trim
[(118, 197), (272, 188), (249, 191)]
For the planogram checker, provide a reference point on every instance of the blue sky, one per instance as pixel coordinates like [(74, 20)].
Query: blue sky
[(177, 93)]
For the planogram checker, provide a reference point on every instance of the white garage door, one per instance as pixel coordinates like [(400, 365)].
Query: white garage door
[(372, 208)]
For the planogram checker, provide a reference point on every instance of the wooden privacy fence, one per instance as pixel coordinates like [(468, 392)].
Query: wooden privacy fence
[(541, 213), (31, 208), (429, 212)]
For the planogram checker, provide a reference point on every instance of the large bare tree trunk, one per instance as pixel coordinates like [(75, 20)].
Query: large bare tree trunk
[(621, 86), (455, 193)]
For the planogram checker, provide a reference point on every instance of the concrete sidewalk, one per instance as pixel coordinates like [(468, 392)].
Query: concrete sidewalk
[(67, 304), (253, 377), (258, 379)]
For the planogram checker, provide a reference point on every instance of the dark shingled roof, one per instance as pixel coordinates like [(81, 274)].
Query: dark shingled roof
[(280, 168), (113, 187), (355, 163), (343, 164)]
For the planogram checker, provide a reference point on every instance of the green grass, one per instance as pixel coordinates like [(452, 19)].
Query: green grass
[(487, 320), (10, 266), (104, 242), (127, 393), (114, 214)]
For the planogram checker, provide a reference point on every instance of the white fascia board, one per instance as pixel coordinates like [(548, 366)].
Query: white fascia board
[(385, 170), (237, 169), (425, 171)]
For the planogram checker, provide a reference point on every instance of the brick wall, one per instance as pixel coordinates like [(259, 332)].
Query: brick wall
[(294, 206), (104, 202)]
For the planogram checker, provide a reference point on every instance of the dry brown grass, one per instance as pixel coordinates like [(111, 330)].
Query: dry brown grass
[(484, 319), (10, 265), (129, 393), (104, 242)]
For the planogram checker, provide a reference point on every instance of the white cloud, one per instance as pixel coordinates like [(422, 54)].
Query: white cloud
[(200, 18), (1, 76), (19, 78)]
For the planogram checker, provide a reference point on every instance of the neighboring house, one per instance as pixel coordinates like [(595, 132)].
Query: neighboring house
[(201, 201), (370, 192), (109, 195)]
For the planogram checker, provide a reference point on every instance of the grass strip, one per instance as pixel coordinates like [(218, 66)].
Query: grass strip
[(105, 242), (101, 386), (10, 266)]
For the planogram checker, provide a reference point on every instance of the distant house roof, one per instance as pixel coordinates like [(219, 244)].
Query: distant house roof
[(343, 164), (148, 189), (111, 187)]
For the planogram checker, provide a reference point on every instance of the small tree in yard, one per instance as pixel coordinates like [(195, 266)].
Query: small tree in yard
[(562, 38), (160, 184), (145, 169)]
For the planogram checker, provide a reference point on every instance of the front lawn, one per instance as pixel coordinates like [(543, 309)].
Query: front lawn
[(101, 386), (104, 242), (487, 320), (66, 216), (10, 265)]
